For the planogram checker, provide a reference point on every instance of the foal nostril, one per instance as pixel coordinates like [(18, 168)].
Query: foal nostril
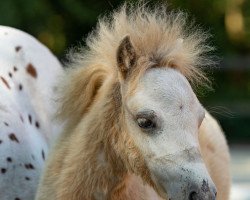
[(198, 196), (193, 195)]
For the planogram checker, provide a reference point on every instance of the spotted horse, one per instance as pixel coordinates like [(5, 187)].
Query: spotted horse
[(28, 71)]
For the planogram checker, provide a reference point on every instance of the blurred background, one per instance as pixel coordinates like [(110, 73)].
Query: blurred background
[(61, 24)]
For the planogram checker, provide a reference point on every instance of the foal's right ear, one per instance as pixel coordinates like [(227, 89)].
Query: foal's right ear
[(126, 56)]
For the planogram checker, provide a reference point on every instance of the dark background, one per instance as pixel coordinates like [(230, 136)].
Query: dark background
[(61, 24)]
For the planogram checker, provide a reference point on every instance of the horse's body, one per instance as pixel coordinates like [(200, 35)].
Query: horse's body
[(27, 73), (134, 127)]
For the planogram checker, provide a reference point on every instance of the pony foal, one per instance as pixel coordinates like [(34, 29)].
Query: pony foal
[(134, 127)]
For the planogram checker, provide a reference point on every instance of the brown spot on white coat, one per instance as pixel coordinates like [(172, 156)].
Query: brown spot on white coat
[(31, 70)]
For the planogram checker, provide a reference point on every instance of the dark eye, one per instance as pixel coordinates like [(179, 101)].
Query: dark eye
[(145, 123)]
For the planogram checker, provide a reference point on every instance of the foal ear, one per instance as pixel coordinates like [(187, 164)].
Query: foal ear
[(126, 56)]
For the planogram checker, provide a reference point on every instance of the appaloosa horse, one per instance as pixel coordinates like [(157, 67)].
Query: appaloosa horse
[(28, 71)]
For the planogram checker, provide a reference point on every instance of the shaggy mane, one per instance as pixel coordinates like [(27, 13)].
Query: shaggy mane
[(154, 33)]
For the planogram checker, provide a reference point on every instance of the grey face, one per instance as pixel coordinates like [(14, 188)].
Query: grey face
[(163, 117)]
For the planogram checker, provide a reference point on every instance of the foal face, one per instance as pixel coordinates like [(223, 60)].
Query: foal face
[(163, 116)]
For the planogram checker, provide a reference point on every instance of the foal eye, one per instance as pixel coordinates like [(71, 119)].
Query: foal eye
[(145, 123)]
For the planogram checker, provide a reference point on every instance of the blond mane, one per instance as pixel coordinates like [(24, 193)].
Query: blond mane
[(154, 33)]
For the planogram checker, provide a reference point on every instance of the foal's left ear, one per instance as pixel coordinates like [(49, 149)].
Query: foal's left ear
[(126, 56)]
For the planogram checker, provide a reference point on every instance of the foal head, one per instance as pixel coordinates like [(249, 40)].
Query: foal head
[(162, 115), (136, 102)]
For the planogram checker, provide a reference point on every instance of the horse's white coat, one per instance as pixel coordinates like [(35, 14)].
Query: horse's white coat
[(172, 149), (28, 71)]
